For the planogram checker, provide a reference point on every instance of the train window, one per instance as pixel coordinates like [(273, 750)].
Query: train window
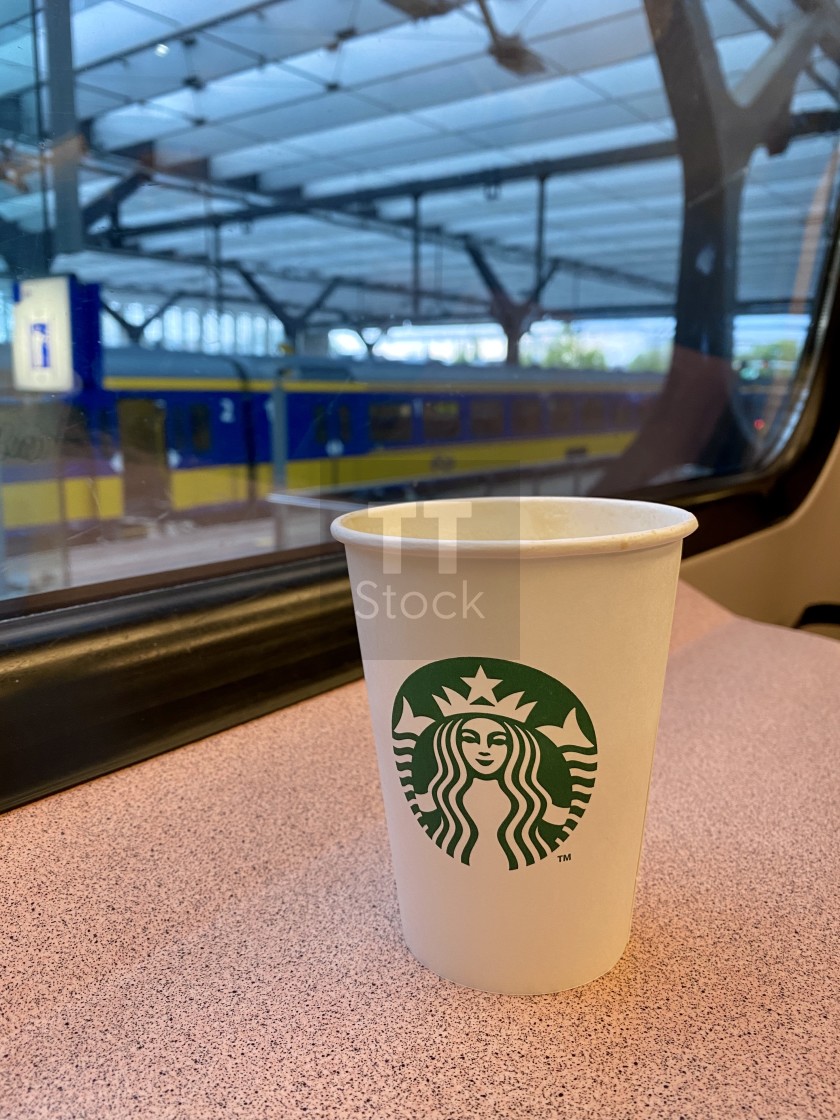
[(547, 242), (201, 436), (560, 411), (390, 422), (441, 419), (178, 428), (75, 438), (526, 416), (592, 414), (487, 417), (627, 413), (319, 424), (345, 423), (104, 434)]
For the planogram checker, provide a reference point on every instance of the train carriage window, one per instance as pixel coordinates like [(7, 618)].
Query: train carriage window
[(592, 414), (201, 435), (345, 423), (526, 416), (390, 422), (627, 413), (560, 411), (178, 428), (441, 419), (319, 424), (487, 417), (75, 438)]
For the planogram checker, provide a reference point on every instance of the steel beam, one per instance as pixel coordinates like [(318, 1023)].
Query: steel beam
[(359, 203), (416, 238), (135, 331), (293, 322), (64, 129), (512, 316), (751, 11), (344, 208), (717, 131), (764, 93), (108, 203), (778, 305), (319, 301), (27, 253), (539, 247), (278, 308), (289, 275), (405, 229), (444, 184), (519, 253)]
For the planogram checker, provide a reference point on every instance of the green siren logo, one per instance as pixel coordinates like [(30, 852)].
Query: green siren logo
[(497, 759)]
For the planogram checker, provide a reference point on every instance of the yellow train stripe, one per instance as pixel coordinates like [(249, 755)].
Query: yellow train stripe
[(93, 499), (184, 385), (208, 486), (408, 463), (469, 388), (31, 503), (406, 386), (50, 501)]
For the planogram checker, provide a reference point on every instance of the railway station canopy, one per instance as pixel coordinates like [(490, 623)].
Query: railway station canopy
[(363, 162)]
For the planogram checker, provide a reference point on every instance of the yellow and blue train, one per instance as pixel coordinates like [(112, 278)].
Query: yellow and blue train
[(164, 434)]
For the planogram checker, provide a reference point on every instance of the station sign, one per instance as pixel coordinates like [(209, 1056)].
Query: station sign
[(56, 342)]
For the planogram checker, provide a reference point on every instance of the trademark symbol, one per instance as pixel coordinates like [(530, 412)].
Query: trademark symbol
[(565, 857)]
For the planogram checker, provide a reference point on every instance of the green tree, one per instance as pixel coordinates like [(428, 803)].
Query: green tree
[(655, 360), (782, 350), (769, 360), (568, 351)]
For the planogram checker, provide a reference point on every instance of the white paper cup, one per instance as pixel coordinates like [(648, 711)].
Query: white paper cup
[(514, 652)]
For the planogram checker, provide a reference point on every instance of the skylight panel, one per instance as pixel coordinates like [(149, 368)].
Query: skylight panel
[(241, 94), (402, 49), (133, 124), (615, 40), (551, 95), (110, 28)]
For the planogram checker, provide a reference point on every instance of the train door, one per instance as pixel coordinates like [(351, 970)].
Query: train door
[(145, 466)]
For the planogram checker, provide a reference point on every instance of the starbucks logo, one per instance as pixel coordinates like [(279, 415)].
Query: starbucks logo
[(497, 760)]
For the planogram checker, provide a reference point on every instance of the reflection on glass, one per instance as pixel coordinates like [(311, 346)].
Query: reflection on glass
[(377, 257)]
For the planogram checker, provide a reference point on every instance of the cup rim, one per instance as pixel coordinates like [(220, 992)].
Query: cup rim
[(680, 524)]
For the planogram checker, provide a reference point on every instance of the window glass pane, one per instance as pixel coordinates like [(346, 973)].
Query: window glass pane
[(441, 419), (259, 335), (319, 424), (345, 423), (227, 333), (192, 329), (250, 284), (487, 417), (592, 414), (526, 416), (559, 414), (390, 422), (210, 329), (200, 433)]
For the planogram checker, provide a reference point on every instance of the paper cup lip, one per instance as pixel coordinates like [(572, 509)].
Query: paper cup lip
[(667, 525)]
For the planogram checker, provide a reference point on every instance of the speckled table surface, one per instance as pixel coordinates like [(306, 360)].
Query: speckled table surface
[(213, 934)]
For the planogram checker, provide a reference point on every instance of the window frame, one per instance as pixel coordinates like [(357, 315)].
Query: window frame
[(222, 645)]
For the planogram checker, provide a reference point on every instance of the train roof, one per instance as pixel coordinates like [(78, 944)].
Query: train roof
[(316, 373)]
